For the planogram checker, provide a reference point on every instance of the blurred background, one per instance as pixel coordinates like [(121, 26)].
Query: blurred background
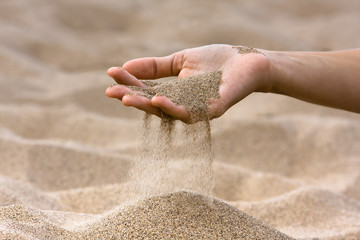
[(89, 35)]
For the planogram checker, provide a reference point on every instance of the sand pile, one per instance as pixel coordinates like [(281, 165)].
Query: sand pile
[(66, 151), (180, 215), (183, 215)]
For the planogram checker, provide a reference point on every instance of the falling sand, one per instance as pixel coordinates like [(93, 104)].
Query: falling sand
[(165, 165), (160, 167)]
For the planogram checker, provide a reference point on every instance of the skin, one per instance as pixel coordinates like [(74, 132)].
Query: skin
[(325, 78)]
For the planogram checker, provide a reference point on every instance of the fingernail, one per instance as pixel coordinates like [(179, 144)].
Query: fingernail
[(109, 70), (107, 91)]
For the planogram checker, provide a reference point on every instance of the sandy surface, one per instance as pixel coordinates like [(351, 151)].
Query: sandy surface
[(66, 150)]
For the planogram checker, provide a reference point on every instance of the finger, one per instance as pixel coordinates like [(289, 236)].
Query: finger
[(141, 103), (216, 108), (168, 107), (122, 76), (155, 67), (117, 91)]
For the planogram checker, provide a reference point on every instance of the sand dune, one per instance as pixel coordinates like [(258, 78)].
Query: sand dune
[(283, 168)]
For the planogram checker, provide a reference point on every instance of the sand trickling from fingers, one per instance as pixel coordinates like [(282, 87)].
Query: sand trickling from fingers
[(173, 157), (165, 165)]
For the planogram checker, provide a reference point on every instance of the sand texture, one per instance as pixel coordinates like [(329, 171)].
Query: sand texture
[(172, 157), (283, 169), (194, 93)]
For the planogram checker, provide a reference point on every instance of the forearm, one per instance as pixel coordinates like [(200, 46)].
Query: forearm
[(326, 78)]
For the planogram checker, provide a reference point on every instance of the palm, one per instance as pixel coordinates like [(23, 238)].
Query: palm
[(204, 59)]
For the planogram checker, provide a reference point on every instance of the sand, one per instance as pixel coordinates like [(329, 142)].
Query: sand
[(151, 172), (172, 157), (245, 49), (194, 93), (180, 215), (66, 151)]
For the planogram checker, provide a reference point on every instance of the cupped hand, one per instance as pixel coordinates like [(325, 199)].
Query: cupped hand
[(242, 74)]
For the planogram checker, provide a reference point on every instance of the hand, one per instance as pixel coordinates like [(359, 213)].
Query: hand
[(242, 75)]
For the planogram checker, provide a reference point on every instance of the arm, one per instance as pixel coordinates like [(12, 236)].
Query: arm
[(326, 78)]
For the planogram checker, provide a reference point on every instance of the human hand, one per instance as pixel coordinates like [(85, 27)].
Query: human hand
[(242, 74)]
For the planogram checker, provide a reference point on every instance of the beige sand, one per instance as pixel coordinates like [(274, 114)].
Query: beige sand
[(151, 173), (172, 157), (66, 150), (194, 93), (180, 215)]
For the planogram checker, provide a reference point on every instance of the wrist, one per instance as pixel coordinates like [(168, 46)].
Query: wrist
[(278, 69), (265, 79)]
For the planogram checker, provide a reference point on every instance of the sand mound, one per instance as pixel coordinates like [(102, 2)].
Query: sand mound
[(183, 215)]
